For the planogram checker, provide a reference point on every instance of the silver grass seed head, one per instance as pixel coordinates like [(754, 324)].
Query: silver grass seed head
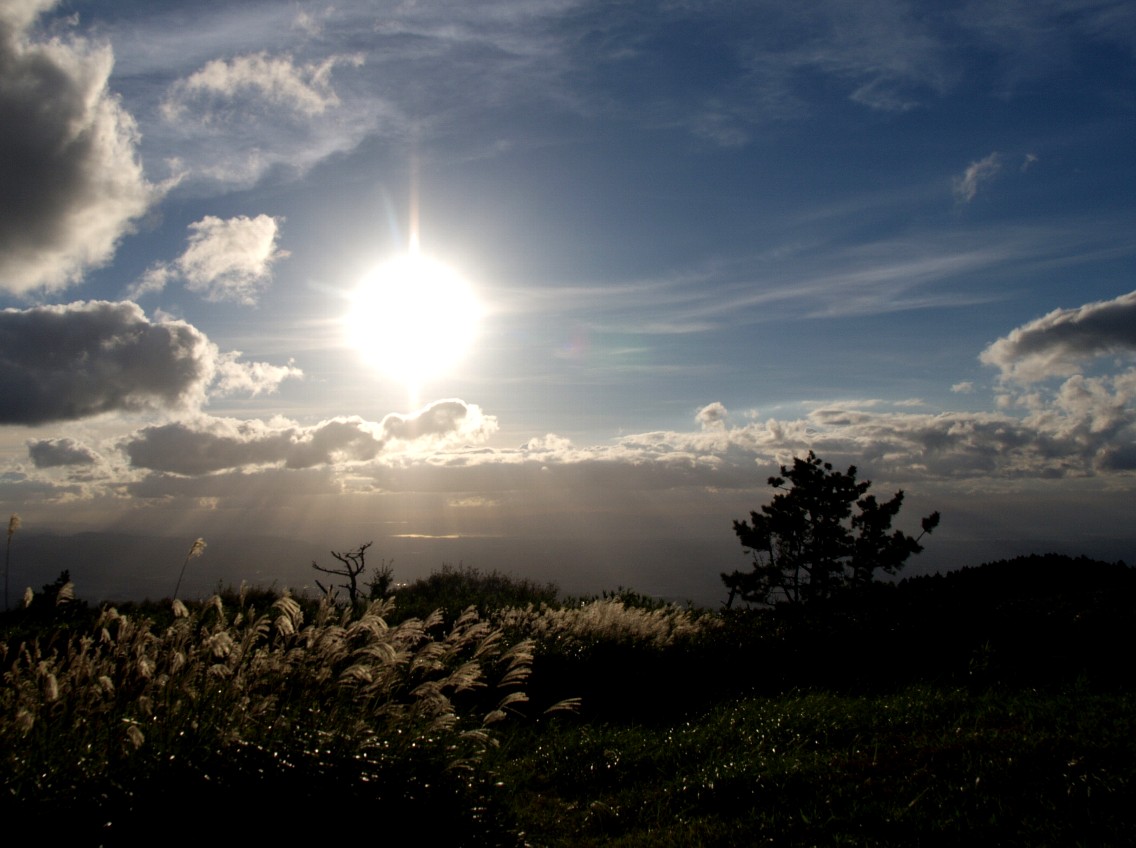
[(135, 736)]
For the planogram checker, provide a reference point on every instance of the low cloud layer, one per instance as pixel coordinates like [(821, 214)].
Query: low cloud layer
[(70, 176), (1068, 438), (225, 260), (208, 445), (75, 361)]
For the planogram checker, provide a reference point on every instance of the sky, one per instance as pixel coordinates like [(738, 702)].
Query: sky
[(554, 286)]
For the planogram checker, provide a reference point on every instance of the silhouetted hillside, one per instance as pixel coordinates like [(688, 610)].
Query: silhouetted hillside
[(1033, 576), (1032, 620)]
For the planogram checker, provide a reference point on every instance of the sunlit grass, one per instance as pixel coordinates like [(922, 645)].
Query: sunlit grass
[(127, 703)]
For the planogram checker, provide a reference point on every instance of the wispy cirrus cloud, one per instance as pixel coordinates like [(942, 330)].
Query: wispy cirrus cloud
[(234, 118), (977, 175), (238, 110), (812, 279), (247, 84)]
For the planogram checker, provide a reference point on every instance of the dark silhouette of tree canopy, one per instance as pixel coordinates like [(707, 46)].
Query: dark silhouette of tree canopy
[(809, 544)]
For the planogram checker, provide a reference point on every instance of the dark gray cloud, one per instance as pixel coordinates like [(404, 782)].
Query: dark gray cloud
[(73, 361), (1060, 343), (202, 448), (70, 178), (66, 362), (52, 453)]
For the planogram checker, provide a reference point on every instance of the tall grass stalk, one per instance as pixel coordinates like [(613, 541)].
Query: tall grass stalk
[(13, 526), (195, 550)]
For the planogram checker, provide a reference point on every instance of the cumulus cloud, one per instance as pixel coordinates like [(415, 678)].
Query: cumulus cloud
[(276, 81), (976, 175), (53, 453), (70, 175), (712, 416), (1062, 342), (217, 444), (207, 445), (74, 361), (226, 259), (252, 378), (441, 419)]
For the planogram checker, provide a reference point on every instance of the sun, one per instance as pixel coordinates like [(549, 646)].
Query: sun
[(413, 319)]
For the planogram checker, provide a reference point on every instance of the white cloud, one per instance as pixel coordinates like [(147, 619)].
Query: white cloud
[(964, 387), (72, 181), (226, 259), (712, 416), (251, 378), (1064, 341), (976, 175), (78, 360), (251, 80), (444, 419), (235, 118)]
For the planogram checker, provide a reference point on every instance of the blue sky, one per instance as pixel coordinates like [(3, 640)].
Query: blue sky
[(701, 239)]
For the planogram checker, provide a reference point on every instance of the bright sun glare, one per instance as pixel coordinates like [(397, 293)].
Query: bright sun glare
[(413, 319)]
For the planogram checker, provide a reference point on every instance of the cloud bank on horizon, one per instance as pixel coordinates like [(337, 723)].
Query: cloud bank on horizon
[(702, 254)]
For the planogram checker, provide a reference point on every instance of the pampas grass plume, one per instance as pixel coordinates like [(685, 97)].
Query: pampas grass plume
[(195, 550)]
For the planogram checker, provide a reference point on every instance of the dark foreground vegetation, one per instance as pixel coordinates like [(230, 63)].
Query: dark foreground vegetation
[(994, 705)]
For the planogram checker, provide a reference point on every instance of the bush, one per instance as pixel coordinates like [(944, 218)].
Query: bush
[(453, 590)]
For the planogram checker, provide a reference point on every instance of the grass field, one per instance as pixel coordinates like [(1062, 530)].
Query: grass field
[(510, 719)]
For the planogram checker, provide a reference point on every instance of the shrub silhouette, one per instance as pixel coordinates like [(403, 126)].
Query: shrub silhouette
[(354, 563), (807, 543), (452, 590)]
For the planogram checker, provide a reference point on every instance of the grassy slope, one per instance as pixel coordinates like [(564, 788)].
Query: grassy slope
[(923, 766), (943, 712)]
